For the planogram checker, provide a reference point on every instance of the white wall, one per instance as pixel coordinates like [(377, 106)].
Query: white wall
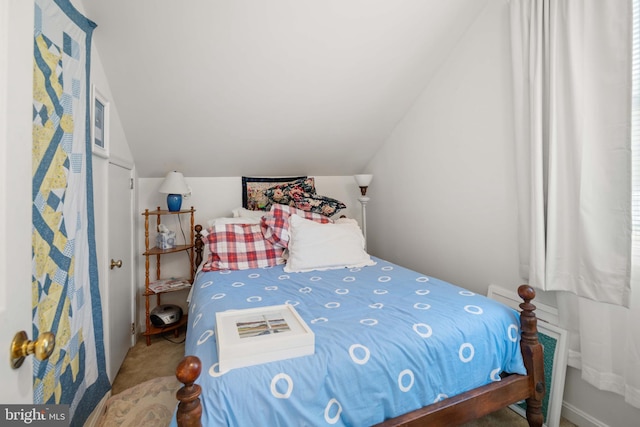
[(443, 198), (120, 153), (443, 194), (212, 198)]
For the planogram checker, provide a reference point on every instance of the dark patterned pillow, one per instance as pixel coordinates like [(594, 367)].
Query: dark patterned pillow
[(318, 204), (286, 194), (302, 196), (253, 197)]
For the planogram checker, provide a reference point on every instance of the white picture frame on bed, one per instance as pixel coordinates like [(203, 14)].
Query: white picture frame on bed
[(554, 342), (259, 335)]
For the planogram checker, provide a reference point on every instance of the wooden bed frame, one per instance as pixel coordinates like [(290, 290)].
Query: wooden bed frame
[(455, 410)]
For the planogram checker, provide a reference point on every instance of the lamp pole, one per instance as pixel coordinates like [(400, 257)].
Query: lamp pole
[(363, 201)]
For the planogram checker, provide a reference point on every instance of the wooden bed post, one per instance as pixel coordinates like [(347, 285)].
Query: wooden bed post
[(188, 370), (532, 354), (189, 408), (199, 247)]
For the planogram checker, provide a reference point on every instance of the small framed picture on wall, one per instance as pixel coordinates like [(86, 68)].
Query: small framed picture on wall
[(99, 123)]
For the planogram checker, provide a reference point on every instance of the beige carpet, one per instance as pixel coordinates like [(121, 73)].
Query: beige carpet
[(143, 363), (144, 390), (145, 387)]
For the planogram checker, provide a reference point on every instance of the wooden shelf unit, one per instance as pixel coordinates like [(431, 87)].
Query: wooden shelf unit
[(157, 253)]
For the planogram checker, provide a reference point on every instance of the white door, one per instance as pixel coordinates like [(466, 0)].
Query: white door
[(120, 290), (16, 82)]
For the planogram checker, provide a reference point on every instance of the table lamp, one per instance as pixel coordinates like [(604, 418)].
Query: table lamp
[(174, 186)]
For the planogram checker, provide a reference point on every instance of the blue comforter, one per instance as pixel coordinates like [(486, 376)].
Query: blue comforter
[(388, 340)]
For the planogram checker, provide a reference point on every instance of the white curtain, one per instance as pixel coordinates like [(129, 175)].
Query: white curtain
[(572, 80), (572, 87)]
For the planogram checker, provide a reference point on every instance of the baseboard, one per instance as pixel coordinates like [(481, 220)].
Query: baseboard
[(100, 409), (579, 417)]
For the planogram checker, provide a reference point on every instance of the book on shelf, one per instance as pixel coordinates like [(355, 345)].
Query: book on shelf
[(264, 334), (170, 284)]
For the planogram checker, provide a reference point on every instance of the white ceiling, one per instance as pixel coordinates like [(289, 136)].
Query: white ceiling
[(269, 87)]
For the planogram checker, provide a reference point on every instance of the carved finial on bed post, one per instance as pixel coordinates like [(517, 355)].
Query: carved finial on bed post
[(189, 408), (532, 354)]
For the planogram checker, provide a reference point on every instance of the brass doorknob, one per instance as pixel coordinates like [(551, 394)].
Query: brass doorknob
[(21, 347), (117, 263)]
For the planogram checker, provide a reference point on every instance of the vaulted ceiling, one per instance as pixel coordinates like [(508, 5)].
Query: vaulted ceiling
[(269, 87)]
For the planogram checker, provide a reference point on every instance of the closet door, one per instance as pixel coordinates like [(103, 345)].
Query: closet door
[(119, 314)]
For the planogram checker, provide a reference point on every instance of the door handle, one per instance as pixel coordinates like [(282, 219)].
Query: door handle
[(117, 263), (21, 347)]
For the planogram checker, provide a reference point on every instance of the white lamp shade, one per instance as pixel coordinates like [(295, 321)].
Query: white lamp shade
[(174, 183), (363, 180)]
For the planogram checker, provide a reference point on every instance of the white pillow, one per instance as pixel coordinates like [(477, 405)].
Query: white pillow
[(345, 220), (246, 213), (236, 220), (315, 246)]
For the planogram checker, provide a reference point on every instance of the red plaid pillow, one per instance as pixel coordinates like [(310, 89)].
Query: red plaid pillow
[(275, 225), (240, 247)]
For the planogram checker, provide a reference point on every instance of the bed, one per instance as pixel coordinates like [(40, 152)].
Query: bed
[(392, 346)]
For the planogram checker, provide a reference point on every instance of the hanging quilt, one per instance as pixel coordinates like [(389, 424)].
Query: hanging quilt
[(66, 297)]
